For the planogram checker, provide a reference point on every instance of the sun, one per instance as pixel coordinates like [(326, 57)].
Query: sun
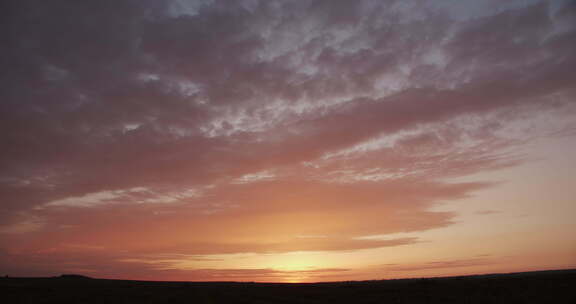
[(295, 279), (295, 262), (296, 267)]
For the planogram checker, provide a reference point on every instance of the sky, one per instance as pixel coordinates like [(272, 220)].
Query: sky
[(287, 140)]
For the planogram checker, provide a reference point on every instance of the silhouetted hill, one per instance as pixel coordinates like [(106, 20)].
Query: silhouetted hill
[(74, 277), (531, 287)]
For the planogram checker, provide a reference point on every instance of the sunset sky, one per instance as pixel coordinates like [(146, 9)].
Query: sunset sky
[(287, 140)]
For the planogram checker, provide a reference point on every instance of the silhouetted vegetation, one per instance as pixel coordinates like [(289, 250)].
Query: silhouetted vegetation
[(533, 287)]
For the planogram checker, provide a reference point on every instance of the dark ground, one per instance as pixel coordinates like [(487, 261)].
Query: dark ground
[(530, 287)]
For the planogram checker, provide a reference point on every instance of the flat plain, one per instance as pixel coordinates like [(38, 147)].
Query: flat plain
[(558, 286)]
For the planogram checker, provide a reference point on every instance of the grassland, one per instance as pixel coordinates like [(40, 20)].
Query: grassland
[(530, 287)]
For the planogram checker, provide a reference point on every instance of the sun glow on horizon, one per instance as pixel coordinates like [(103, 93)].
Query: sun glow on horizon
[(295, 262)]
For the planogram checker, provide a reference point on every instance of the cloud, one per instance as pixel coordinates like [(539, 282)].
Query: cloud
[(290, 245), (441, 265), (221, 127), (142, 267), (94, 199), (259, 217)]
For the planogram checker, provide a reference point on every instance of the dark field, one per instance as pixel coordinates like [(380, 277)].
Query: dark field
[(530, 287)]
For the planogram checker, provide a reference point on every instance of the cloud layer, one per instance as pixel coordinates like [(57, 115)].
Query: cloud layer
[(218, 127)]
